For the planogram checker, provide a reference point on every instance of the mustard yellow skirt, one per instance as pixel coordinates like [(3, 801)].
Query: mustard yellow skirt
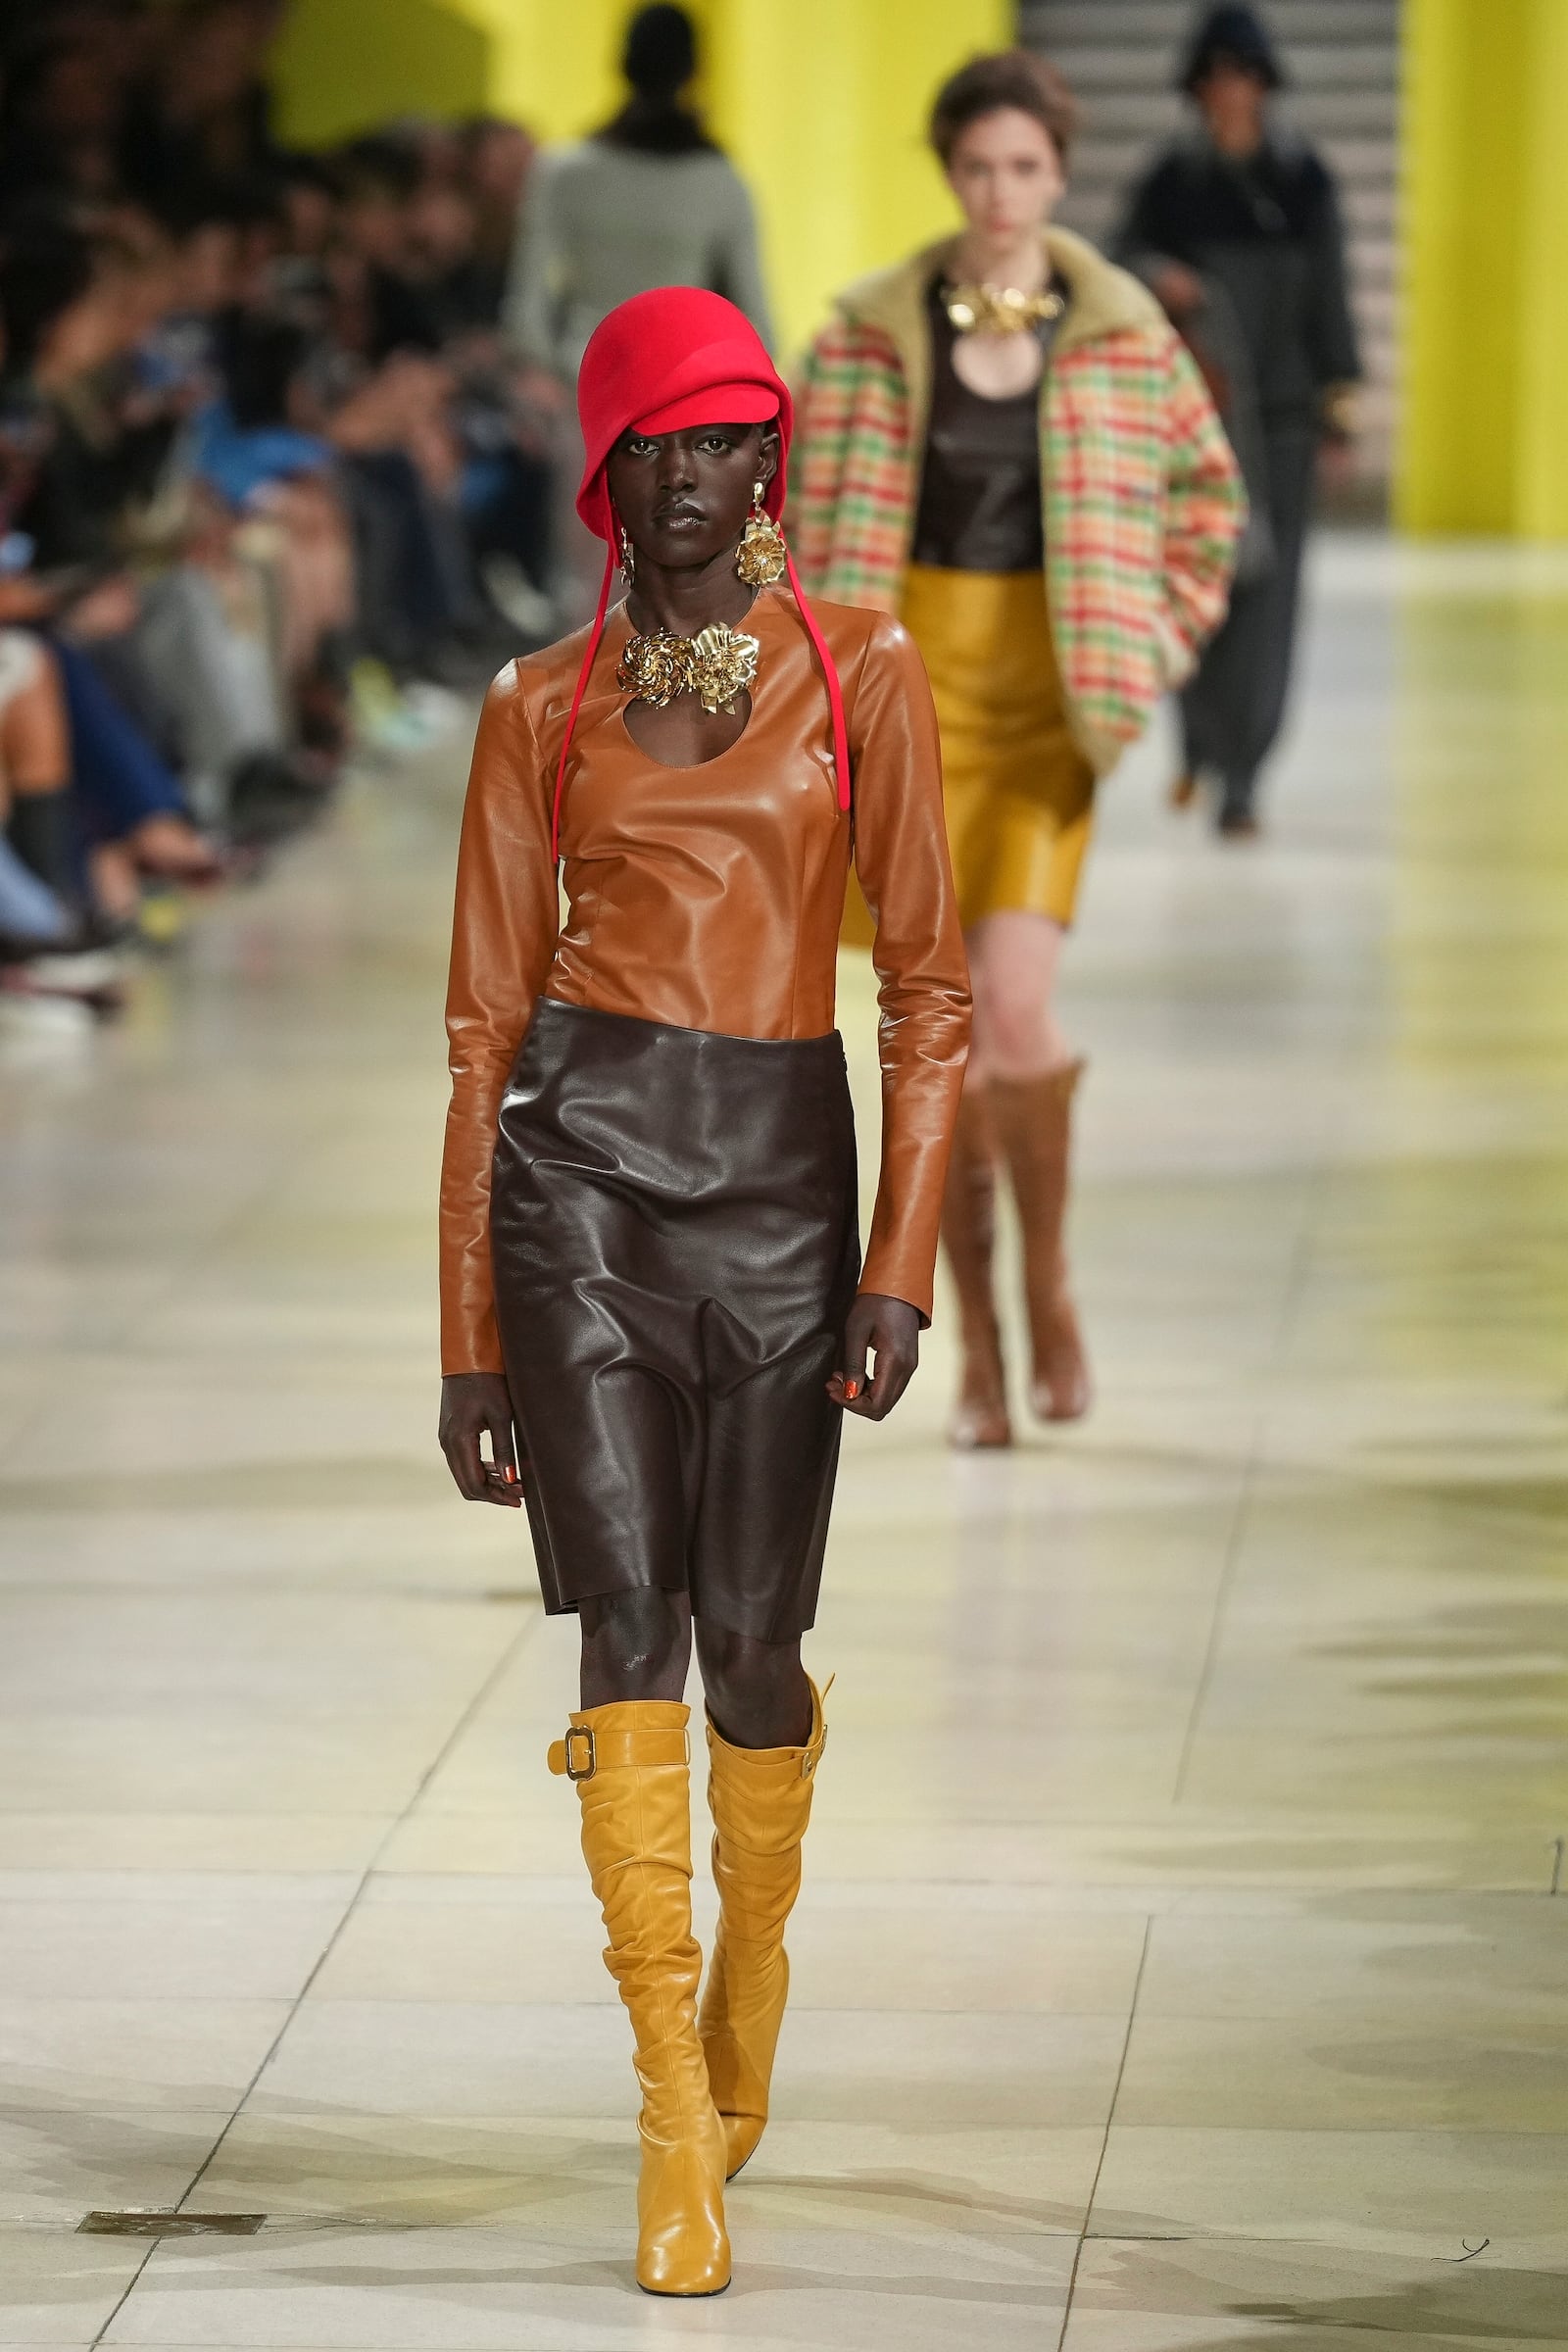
[(1018, 792)]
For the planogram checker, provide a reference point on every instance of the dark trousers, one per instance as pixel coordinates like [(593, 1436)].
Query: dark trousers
[(1233, 704), (406, 601)]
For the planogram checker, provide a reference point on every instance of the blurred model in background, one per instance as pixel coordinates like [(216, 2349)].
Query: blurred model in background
[(1004, 441), (1237, 229), (648, 201)]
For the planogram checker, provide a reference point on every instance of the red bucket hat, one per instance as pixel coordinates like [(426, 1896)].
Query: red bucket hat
[(663, 362)]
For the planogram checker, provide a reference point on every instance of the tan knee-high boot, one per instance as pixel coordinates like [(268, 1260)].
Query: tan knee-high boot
[(762, 1802), (631, 1766), (968, 1235), (1033, 1118)]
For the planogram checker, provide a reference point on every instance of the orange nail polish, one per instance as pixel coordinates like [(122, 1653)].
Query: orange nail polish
[(852, 1388)]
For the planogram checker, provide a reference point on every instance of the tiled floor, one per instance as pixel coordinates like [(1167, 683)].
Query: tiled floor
[(1180, 1966)]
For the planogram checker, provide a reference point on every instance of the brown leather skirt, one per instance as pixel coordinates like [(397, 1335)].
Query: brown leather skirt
[(674, 1233)]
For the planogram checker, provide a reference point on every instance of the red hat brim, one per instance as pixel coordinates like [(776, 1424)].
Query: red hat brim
[(664, 362)]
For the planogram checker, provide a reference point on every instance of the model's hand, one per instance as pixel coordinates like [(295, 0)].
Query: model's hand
[(472, 1403), (890, 1329), (1178, 288)]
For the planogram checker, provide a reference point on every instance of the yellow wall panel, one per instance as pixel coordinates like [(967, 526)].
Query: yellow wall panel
[(820, 102), (340, 67), (1484, 233)]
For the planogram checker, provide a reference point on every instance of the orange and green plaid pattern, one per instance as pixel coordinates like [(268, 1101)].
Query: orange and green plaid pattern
[(1143, 508)]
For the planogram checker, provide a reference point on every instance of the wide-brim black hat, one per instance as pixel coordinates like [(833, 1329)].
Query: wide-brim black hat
[(1232, 37)]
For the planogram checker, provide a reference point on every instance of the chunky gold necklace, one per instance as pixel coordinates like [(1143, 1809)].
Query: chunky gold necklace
[(998, 310), (718, 665)]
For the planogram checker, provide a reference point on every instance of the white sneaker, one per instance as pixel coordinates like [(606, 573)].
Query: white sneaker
[(94, 976)]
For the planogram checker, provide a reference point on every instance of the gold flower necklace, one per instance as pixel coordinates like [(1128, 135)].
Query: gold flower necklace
[(718, 665), (998, 310)]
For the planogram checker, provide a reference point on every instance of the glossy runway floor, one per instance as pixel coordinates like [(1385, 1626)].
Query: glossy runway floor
[(1181, 1961)]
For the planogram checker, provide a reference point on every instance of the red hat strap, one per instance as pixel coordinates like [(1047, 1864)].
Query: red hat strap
[(583, 675), (835, 693)]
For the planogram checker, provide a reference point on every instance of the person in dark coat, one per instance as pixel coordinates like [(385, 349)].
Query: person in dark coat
[(1237, 229)]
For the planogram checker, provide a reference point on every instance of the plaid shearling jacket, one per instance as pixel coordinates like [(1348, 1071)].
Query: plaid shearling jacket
[(1142, 498)]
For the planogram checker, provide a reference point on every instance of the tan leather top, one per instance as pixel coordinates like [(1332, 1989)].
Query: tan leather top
[(708, 898)]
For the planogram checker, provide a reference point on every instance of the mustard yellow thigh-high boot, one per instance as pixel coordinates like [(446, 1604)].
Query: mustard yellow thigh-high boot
[(761, 1801), (633, 1774)]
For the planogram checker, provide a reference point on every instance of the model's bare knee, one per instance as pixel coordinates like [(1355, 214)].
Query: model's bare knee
[(635, 1645), (758, 1694), (1014, 961)]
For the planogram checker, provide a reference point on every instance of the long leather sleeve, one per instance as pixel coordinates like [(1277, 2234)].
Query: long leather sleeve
[(901, 855), (503, 938)]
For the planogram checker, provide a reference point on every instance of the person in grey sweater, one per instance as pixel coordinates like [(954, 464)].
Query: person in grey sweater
[(647, 201), (1237, 229)]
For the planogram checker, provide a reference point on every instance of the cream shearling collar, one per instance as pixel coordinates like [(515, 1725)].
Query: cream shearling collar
[(1101, 300)]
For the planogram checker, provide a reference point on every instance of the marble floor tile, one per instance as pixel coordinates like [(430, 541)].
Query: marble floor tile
[(1183, 2297), (896, 1952), (158, 1842), (414, 2172), (1231, 1847), (58, 2289), (199, 1948), (402, 2058), (58, 2163), (1475, 1966), (1301, 2072), (174, 2055), (568, 2291), (1426, 2191)]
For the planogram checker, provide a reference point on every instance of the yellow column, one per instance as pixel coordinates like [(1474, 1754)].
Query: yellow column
[(822, 105), (1485, 235), (339, 68), (552, 62)]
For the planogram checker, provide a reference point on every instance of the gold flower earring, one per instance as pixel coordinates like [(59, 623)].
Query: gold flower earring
[(628, 560), (760, 557)]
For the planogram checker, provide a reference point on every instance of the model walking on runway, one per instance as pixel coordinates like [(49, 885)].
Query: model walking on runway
[(1237, 229), (1003, 440), (650, 1262)]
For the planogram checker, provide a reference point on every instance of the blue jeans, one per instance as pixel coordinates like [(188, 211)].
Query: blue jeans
[(119, 779)]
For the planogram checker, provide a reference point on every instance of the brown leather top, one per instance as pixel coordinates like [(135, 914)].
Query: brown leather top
[(708, 898)]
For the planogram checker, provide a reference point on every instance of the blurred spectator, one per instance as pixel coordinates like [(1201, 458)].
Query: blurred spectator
[(198, 128), (1236, 230), (496, 159), (648, 201), (272, 483)]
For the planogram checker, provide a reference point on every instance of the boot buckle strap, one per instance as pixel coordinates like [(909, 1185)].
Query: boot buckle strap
[(563, 1759), (585, 1751)]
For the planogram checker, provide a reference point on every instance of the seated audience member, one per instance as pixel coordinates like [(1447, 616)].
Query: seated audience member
[(272, 481)]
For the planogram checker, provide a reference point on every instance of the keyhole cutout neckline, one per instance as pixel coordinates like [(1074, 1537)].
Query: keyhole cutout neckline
[(741, 708), (963, 347)]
